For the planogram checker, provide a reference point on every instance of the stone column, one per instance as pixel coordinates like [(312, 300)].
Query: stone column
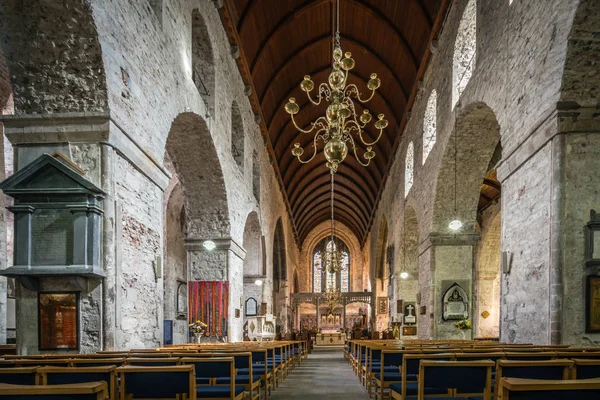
[(452, 262), (223, 263)]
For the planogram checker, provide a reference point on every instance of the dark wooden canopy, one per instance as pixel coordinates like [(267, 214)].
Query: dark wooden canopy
[(280, 41)]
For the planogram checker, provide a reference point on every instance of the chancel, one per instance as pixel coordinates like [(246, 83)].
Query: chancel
[(244, 193)]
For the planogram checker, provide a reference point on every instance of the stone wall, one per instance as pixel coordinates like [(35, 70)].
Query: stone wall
[(516, 79)]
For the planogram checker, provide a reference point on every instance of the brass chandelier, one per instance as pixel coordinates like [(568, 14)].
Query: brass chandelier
[(340, 127)]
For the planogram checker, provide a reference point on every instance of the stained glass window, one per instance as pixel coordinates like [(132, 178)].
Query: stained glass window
[(317, 272), (340, 280)]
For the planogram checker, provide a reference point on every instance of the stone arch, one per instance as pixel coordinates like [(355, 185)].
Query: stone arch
[(359, 270), (487, 276), (279, 255), (581, 80), (252, 245), (203, 65), (430, 125), (196, 163), (175, 260), (465, 51), (320, 276), (237, 135), (54, 57), (296, 283), (474, 139)]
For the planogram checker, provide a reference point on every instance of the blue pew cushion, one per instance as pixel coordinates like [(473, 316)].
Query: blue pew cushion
[(207, 392), (389, 376), (240, 379)]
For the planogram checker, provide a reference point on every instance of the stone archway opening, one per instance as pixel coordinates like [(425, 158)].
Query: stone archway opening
[(195, 211), (471, 152), (381, 315), (253, 260)]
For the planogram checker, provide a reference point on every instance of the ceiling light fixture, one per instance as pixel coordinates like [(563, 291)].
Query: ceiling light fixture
[(340, 122)]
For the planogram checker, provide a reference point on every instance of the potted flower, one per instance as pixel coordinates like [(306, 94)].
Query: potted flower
[(198, 329), (463, 325)]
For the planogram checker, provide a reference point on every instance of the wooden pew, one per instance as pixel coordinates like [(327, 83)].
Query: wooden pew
[(76, 391), (534, 389), (64, 376), (170, 382)]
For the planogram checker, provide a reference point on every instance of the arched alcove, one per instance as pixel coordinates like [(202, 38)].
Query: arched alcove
[(195, 161), (465, 50), (280, 284), (175, 261), (477, 135), (430, 125), (381, 281), (407, 278), (252, 245), (237, 135), (279, 254), (203, 67)]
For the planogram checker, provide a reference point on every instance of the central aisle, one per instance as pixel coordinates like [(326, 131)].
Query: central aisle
[(323, 375)]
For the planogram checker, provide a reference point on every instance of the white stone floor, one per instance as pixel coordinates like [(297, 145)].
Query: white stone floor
[(323, 375)]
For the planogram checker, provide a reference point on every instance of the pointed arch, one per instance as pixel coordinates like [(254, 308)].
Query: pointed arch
[(237, 135), (279, 255)]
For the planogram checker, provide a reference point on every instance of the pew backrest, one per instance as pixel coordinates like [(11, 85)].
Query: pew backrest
[(534, 389), (77, 391), (142, 382)]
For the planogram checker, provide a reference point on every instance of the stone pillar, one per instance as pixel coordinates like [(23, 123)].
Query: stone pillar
[(453, 262), (550, 182), (223, 263)]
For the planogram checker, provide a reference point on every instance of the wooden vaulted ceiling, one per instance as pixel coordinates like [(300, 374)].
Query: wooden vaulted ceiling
[(280, 41)]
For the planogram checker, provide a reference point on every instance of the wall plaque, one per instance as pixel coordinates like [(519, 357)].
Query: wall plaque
[(455, 303), (409, 331), (592, 315), (58, 321), (410, 314), (382, 305)]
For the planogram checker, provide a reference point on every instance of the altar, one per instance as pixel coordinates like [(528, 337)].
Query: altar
[(329, 339)]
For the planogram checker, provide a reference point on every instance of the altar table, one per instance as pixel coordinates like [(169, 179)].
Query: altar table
[(327, 339)]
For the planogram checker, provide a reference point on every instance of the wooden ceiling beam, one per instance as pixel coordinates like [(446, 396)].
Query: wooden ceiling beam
[(356, 42), (326, 198)]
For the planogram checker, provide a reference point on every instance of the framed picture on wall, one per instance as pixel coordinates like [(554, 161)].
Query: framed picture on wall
[(592, 312), (58, 314), (382, 305)]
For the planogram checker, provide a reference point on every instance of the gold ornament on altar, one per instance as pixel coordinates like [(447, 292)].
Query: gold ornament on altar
[(341, 126)]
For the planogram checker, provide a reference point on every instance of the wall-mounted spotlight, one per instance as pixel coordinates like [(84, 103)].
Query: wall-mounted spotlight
[(403, 275), (258, 282), (209, 245)]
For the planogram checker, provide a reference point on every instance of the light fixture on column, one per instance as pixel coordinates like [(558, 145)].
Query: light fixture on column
[(340, 128), (258, 282), (455, 224), (404, 275), (209, 245)]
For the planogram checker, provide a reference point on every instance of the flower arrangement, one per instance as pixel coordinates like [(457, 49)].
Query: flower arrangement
[(198, 326), (463, 325)]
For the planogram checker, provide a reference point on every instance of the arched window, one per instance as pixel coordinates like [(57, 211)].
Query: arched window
[(429, 125), (464, 51), (237, 135), (323, 279), (409, 165)]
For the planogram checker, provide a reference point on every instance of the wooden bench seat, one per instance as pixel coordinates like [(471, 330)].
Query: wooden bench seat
[(77, 391), (534, 389)]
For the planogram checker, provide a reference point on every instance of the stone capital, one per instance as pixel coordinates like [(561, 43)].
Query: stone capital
[(222, 244)]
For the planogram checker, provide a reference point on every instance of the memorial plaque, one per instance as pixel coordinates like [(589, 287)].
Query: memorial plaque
[(410, 314), (455, 304), (409, 331), (52, 237), (58, 321)]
